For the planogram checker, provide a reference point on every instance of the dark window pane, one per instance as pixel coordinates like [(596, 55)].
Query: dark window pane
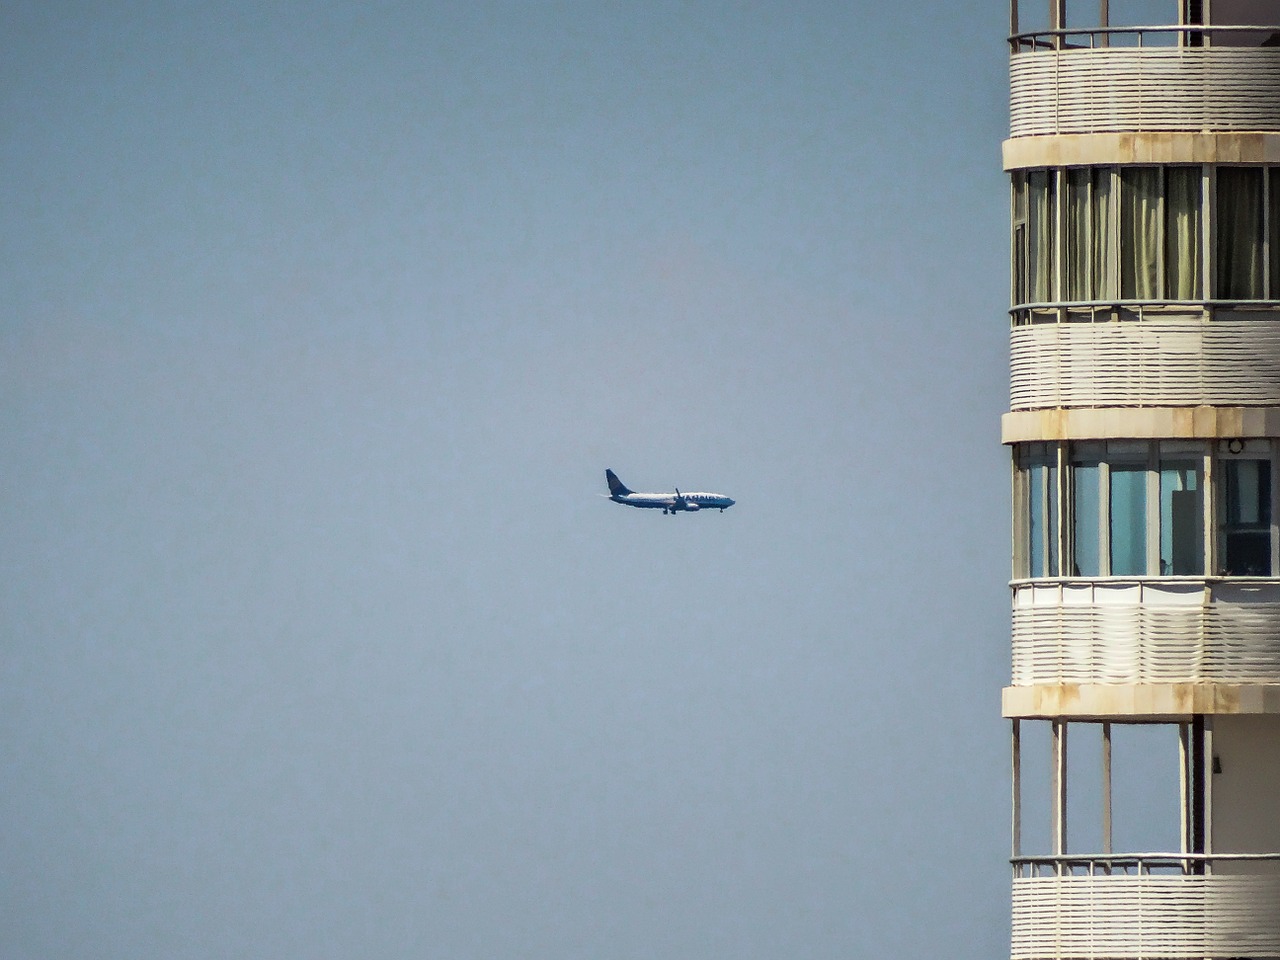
[(1247, 520), (1181, 518), (1239, 234), (1273, 218)]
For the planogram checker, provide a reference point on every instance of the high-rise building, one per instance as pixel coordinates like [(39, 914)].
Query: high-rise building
[(1144, 425)]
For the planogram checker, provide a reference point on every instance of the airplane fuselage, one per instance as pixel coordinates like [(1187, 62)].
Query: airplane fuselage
[(672, 503)]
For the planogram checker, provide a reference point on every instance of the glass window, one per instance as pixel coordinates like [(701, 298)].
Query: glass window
[(1090, 249), (1182, 233), (1140, 229), (1246, 528), (1138, 233), (1040, 207), (1019, 238), (1086, 515), (1128, 516), (1243, 13), (1079, 246), (1238, 244), (1181, 518), (1273, 218), (1042, 525), (1106, 275)]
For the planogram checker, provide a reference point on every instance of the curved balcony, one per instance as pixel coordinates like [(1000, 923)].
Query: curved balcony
[(1148, 363), (1085, 81), (1124, 907), (1146, 631)]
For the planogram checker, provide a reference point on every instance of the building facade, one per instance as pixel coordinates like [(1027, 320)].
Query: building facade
[(1144, 426)]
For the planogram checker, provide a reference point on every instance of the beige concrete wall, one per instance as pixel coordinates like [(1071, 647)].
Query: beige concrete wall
[(1154, 701), (1147, 423), (1246, 794), (1090, 149)]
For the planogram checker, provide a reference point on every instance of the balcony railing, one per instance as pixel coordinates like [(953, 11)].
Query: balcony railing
[(1153, 362), (1175, 630), (1157, 36), (1144, 864), (1126, 907), (1135, 79)]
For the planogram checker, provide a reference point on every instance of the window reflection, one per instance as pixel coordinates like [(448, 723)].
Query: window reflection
[(1128, 515), (1086, 518), (1044, 519), (1181, 518), (1246, 524), (1135, 509), (1039, 526)]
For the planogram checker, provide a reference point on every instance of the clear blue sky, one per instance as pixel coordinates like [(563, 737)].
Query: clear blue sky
[(319, 324)]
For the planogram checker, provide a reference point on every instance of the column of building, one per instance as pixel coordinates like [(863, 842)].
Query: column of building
[(1144, 426)]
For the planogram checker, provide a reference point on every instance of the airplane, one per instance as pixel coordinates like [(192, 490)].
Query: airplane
[(671, 503)]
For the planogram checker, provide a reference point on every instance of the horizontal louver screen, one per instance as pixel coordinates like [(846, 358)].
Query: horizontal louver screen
[(1131, 89), (1092, 633), (1146, 916), (1145, 363)]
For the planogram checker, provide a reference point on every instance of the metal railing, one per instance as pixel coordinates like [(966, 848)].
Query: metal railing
[(1146, 905), (1089, 311), (1130, 864), (1101, 38), (1188, 83)]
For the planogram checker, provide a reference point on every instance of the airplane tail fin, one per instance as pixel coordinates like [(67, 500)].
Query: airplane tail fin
[(616, 487)]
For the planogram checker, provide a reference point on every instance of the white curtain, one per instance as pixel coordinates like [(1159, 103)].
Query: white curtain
[(1079, 247), (1140, 233), (1040, 236), (1182, 233), (1106, 278)]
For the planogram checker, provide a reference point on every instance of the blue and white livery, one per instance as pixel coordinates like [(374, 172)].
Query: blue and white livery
[(671, 503)]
